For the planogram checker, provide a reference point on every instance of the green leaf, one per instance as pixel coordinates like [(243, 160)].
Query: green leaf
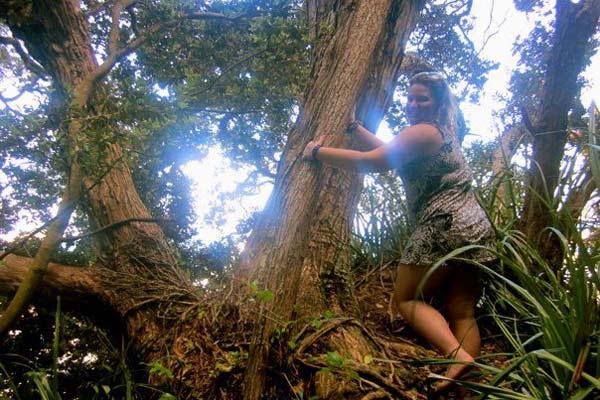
[(334, 359), (328, 314), (158, 369), (223, 367), (253, 286), (265, 295)]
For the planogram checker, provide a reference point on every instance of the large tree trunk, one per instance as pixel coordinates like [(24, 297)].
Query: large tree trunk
[(576, 23), (299, 248)]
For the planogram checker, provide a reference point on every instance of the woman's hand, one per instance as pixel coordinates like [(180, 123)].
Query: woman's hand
[(308, 150)]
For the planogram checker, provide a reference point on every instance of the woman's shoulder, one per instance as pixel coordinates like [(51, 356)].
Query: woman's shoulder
[(422, 134)]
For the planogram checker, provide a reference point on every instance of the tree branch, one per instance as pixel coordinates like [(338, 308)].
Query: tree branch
[(21, 242), (5, 101), (230, 67), (36, 271), (74, 284), (102, 6), (118, 55), (507, 146), (114, 225), (22, 90), (412, 63), (578, 196), (115, 29), (29, 62), (133, 17)]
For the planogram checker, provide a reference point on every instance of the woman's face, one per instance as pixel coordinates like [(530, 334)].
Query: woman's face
[(420, 104)]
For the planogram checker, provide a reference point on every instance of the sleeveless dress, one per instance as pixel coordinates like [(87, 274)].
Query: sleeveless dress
[(442, 207)]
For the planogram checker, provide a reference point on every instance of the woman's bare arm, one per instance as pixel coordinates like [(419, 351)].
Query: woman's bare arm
[(366, 138), (415, 141)]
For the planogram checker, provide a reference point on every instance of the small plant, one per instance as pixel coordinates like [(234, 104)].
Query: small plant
[(262, 295)]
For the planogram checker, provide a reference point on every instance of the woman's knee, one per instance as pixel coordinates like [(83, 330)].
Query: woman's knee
[(414, 281)]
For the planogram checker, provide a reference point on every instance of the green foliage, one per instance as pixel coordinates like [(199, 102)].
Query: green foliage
[(549, 318), (43, 386), (381, 223), (334, 360), (194, 85), (156, 368), (242, 79), (528, 5), (89, 366), (340, 364), (262, 295), (228, 362)]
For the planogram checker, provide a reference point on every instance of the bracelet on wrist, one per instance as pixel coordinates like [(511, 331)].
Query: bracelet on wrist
[(315, 150)]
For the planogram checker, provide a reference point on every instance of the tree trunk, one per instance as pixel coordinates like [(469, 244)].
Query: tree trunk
[(575, 25), (299, 248), (508, 143)]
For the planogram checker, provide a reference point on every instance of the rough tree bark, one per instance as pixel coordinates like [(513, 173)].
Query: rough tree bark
[(298, 250), (575, 25)]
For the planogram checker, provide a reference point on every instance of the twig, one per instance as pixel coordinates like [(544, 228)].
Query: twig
[(6, 101), (22, 91), (229, 68)]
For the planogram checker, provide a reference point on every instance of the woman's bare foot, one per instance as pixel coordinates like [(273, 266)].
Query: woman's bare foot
[(455, 370)]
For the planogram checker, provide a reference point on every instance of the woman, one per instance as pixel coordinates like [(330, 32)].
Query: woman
[(443, 210)]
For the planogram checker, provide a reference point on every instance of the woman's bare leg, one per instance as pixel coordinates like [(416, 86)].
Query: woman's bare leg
[(460, 305), (425, 319)]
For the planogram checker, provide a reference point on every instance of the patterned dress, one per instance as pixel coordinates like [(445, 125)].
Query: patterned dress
[(442, 206)]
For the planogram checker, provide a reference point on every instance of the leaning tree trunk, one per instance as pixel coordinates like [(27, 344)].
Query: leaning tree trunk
[(299, 248), (575, 25), (139, 262)]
